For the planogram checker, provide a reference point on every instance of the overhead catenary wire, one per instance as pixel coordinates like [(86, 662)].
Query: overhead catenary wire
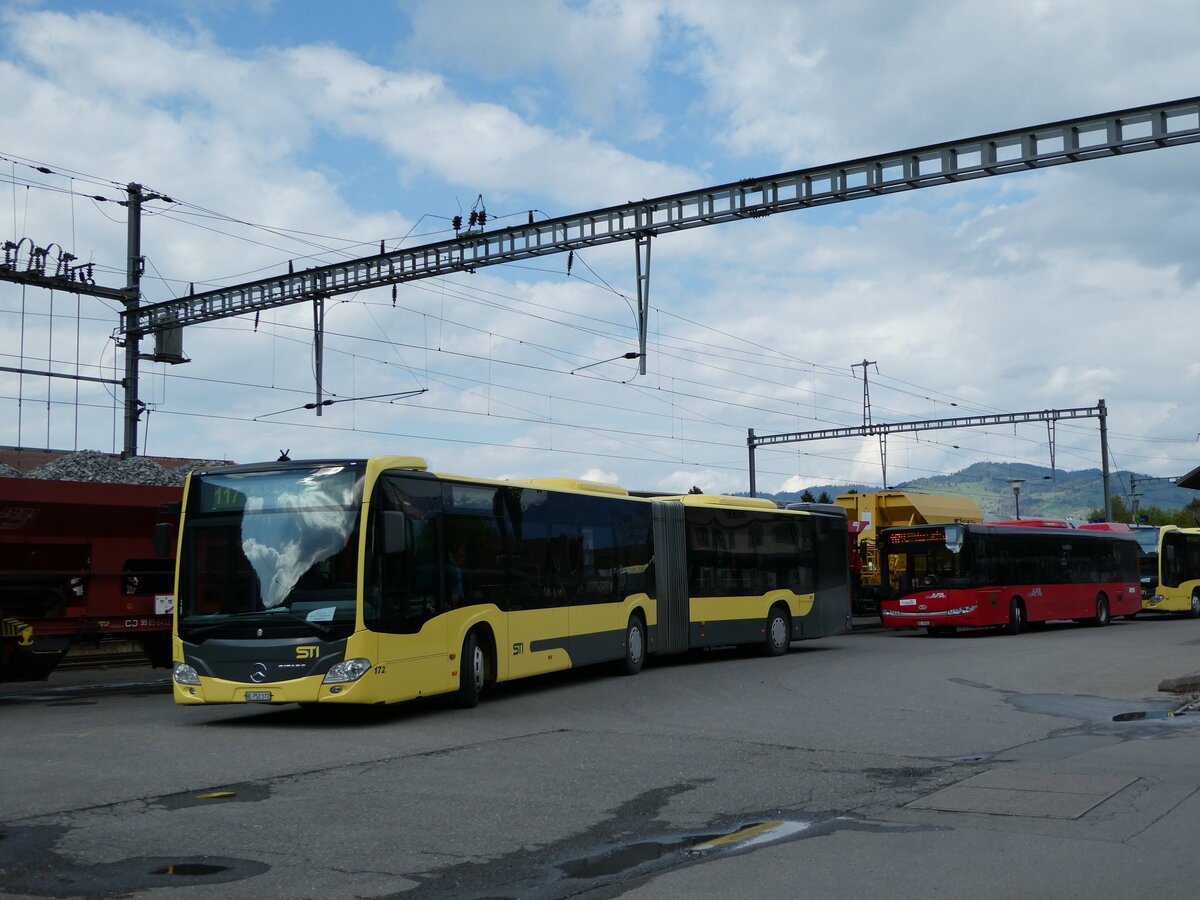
[(344, 250), (682, 349)]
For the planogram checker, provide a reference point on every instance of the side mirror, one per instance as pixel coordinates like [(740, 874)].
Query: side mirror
[(395, 531), (163, 531)]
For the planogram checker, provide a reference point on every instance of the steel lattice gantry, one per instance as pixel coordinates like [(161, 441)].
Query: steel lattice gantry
[(1056, 143), (1050, 416), (1073, 140)]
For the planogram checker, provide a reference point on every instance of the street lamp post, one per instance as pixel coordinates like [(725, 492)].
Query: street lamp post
[(1016, 486)]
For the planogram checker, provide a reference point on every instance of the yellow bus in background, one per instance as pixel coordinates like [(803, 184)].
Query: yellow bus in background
[(377, 581), (1176, 587)]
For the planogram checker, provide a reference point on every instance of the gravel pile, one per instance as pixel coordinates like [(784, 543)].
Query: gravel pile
[(92, 465), (198, 464)]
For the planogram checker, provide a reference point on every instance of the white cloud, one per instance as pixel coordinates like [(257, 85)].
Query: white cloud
[(481, 145), (594, 51), (601, 476), (835, 81)]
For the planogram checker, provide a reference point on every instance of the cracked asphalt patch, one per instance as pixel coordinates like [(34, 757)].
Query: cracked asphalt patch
[(579, 822), (628, 848)]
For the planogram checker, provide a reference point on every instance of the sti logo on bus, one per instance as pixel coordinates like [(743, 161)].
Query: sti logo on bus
[(308, 652)]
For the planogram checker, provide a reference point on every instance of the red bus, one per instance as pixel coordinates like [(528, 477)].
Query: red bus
[(940, 577)]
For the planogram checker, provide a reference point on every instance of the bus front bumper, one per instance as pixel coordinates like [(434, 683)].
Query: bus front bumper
[(301, 690), (918, 618)]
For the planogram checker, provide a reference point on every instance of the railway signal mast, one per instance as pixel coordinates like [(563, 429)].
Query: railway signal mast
[(29, 265)]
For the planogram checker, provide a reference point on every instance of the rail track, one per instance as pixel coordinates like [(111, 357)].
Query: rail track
[(102, 660)]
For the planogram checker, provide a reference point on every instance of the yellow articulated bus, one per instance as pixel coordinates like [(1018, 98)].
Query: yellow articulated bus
[(1175, 587), (377, 581)]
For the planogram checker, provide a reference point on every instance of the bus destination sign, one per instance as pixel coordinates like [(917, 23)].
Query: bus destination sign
[(914, 537)]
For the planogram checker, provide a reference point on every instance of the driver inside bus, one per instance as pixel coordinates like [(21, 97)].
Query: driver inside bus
[(454, 577)]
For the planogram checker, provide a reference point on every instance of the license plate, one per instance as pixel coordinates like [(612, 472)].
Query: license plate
[(257, 696), (922, 622)]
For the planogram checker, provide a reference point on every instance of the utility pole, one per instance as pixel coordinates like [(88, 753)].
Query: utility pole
[(134, 265), (1135, 495), (1103, 415), (867, 415), (866, 388), (168, 345)]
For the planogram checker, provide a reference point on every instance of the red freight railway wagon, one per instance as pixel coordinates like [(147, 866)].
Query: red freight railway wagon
[(77, 561)]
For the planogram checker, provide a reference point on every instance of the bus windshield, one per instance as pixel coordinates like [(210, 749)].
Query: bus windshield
[(931, 556), (1147, 538), (278, 544)]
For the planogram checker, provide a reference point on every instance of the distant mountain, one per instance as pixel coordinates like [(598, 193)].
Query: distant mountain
[(1056, 494)]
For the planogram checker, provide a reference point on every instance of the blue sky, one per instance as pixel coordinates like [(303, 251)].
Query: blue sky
[(304, 133)]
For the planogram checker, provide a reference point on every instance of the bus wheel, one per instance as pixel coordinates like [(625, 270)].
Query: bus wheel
[(1103, 617), (635, 646), (1194, 612), (778, 632), (1016, 616), (472, 672)]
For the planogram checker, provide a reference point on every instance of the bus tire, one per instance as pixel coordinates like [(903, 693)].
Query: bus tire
[(1103, 615), (472, 673), (1194, 612), (778, 633), (635, 646), (1016, 617)]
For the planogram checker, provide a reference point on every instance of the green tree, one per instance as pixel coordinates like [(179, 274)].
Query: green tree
[(1121, 512), (824, 498), (807, 497), (1188, 517)]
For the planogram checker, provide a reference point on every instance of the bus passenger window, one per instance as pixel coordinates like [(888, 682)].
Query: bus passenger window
[(474, 564), (409, 583)]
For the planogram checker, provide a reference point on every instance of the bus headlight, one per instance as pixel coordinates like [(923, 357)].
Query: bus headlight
[(185, 674), (347, 670)]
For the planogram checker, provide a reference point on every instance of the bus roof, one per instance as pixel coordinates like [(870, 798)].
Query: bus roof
[(576, 484), (1032, 525), (722, 500)]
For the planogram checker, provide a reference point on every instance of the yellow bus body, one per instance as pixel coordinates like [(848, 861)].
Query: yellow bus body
[(418, 665), (521, 642), (1178, 562)]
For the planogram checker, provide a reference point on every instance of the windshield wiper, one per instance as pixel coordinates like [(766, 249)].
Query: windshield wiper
[(291, 616), (260, 614)]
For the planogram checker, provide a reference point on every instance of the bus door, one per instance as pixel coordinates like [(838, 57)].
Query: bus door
[(670, 572), (543, 580), (403, 587), (597, 617)]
